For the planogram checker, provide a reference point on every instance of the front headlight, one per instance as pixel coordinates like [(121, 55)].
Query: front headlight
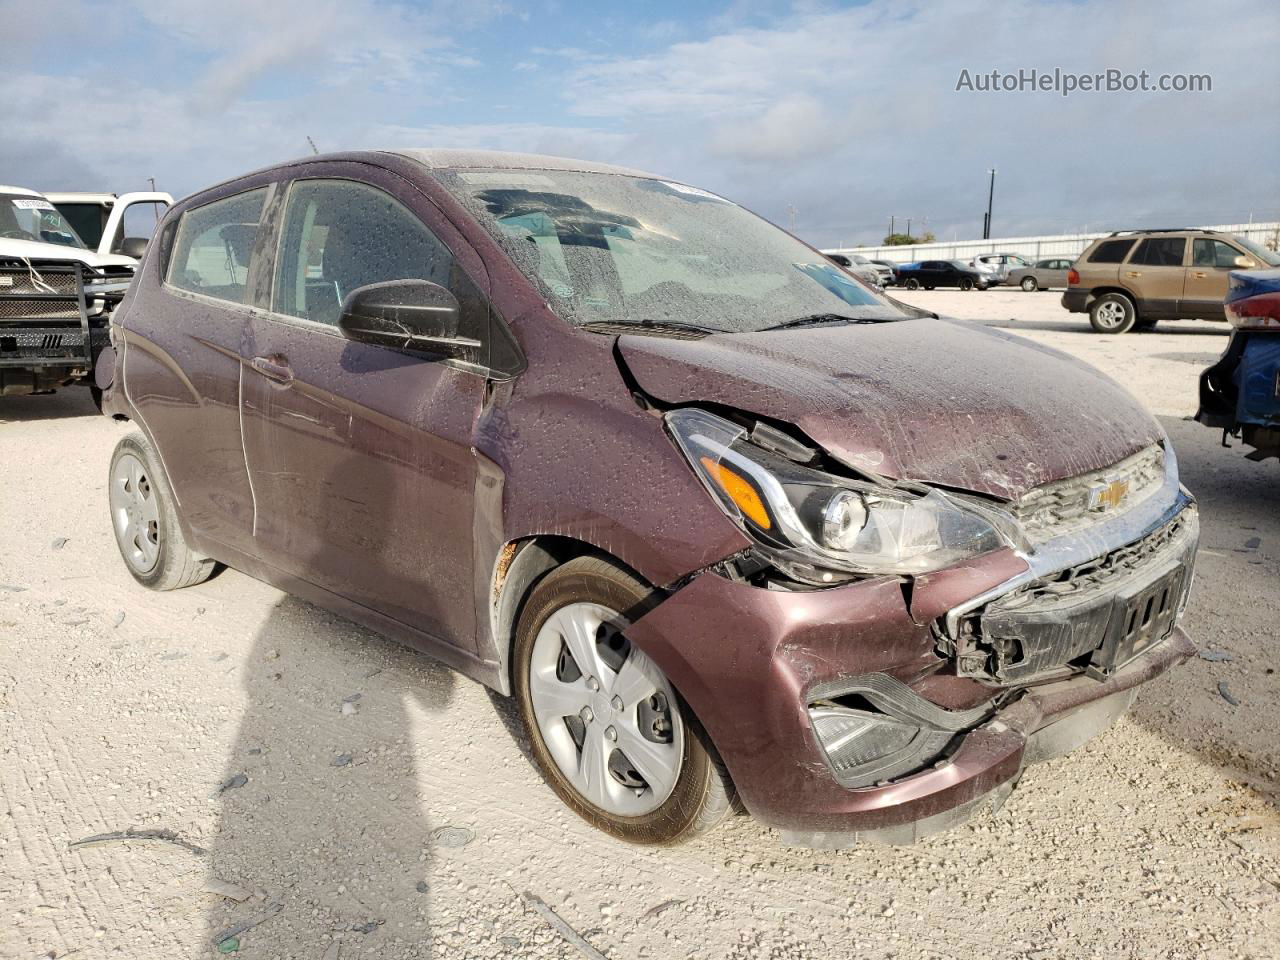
[(822, 522)]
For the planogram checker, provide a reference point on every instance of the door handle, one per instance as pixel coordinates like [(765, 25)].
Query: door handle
[(273, 369), (1199, 276), (1134, 273)]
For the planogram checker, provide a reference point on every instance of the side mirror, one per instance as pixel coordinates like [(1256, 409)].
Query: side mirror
[(404, 314), (133, 247), (1245, 262)]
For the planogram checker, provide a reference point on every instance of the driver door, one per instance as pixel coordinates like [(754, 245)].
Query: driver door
[(360, 455)]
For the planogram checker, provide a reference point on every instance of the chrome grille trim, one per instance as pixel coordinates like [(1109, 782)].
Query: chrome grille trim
[(1114, 531), (1062, 506)]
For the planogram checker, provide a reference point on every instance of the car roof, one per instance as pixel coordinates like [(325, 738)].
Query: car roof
[(445, 159), (69, 196), (20, 191)]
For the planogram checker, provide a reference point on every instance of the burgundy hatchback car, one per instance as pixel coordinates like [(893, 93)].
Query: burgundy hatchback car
[(731, 526)]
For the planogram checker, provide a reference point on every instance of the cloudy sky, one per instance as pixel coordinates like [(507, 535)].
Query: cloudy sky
[(831, 116)]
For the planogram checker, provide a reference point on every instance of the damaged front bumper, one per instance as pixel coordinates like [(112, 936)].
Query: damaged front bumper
[(869, 710)]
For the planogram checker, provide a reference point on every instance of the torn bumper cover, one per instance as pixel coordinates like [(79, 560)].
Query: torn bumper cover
[(843, 714)]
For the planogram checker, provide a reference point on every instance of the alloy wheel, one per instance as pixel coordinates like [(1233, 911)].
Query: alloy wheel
[(607, 714), (1111, 314)]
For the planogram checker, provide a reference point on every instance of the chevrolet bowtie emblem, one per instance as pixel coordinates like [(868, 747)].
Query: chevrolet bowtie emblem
[(1108, 495)]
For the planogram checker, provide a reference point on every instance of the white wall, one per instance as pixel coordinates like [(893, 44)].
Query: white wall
[(1033, 248)]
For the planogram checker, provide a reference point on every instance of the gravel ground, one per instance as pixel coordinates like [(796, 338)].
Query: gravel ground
[(409, 823)]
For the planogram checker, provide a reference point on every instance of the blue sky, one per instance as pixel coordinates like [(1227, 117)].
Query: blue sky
[(833, 116)]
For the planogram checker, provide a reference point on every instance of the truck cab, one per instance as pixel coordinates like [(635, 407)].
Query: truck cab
[(112, 223)]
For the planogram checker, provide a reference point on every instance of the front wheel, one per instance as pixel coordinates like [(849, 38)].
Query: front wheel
[(1113, 313), (912, 284), (608, 732), (145, 521), (1029, 284)]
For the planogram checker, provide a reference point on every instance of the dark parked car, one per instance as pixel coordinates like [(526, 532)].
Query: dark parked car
[(942, 273), (723, 520)]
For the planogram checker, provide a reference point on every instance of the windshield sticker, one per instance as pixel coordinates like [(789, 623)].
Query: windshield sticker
[(31, 203), (692, 191), (504, 178)]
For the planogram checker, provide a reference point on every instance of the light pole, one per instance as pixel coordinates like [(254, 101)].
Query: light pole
[(991, 194)]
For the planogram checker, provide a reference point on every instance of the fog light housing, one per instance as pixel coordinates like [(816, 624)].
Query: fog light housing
[(864, 747)]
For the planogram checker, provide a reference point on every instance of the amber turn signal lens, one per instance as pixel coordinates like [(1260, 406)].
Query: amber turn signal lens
[(739, 491)]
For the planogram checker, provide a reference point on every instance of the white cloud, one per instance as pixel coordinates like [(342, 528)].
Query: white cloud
[(577, 142), (852, 115), (847, 114)]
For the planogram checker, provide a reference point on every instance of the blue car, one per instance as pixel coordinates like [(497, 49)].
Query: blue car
[(1240, 394)]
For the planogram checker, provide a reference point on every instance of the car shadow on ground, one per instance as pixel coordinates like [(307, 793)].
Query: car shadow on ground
[(66, 403), (321, 813), (1239, 503)]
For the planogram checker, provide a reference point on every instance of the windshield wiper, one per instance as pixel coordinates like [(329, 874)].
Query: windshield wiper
[(656, 325), (819, 319)]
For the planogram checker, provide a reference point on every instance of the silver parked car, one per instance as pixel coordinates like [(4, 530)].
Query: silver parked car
[(1042, 276), (860, 267), (999, 265)]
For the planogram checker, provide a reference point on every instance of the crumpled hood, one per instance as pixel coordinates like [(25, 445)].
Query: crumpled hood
[(35, 250), (941, 401)]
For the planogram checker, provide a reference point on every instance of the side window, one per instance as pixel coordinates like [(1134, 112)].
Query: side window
[(1160, 252), (1111, 251), (214, 242), (339, 235), (1213, 253)]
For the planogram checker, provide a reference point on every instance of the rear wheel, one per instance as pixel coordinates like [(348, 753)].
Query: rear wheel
[(1029, 284), (966, 284), (608, 732), (1113, 313), (145, 523)]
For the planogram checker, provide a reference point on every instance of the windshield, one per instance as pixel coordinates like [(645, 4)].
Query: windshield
[(613, 249), (1269, 257), (35, 218)]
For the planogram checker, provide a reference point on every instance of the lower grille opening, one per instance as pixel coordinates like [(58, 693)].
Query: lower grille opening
[(1091, 618)]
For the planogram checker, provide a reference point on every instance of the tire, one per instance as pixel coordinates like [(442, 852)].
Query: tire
[(699, 793), (145, 522), (1029, 284), (912, 283), (928, 286), (1113, 313), (966, 285)]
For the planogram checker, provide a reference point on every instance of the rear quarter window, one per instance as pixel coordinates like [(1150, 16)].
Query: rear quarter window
[(1111, 251), (213, 246)]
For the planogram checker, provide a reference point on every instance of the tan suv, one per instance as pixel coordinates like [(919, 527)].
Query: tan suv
[(1134, 279)]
